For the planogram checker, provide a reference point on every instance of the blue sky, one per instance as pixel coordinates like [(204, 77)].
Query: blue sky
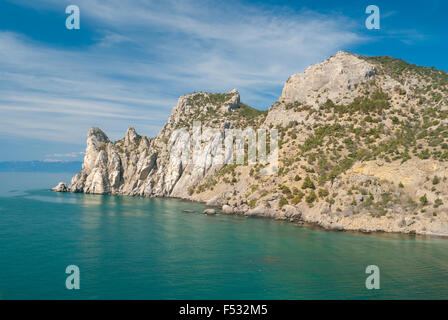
[(131, 60)]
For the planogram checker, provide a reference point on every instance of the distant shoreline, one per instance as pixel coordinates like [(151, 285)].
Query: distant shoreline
[(40, 166)]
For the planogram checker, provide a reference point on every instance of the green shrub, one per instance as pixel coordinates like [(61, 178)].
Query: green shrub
[(323, 193), (252, 203), (435, 180), (438, 203), (308, 184), (298, 198), (424, 200), (282, 202), (311, 197), (285, 189)]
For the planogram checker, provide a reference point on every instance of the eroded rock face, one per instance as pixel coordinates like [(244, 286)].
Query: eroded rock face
[(137, 165), (333, 79)]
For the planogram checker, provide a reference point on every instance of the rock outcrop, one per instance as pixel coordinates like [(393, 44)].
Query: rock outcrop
[(137, 165), (61, 187), (336, 78)]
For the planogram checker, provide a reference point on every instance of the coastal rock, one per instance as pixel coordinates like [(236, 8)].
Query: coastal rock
[(61, 187), (337, 227), (209, 211), (227, 209), (263, 212), (215, 201), (292, 212)]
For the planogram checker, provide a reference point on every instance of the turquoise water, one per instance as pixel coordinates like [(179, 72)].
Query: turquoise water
[(137, 248)]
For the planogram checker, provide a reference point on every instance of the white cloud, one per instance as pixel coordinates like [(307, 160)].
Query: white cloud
[(149, 53)]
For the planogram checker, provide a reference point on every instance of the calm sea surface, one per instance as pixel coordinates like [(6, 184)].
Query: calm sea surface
[(138, 248)]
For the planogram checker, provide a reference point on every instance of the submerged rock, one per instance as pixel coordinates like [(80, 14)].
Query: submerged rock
[(189, 211)]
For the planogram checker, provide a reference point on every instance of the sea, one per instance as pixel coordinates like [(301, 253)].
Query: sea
[(142, 248)]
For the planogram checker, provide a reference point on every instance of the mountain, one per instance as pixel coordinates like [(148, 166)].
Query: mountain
[(363, 145), (40, 166)]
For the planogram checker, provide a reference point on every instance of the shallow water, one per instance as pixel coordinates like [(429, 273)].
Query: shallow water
[(139, 248)]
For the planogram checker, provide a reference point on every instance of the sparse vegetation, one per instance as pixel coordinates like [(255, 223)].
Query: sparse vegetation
[(311, 197)]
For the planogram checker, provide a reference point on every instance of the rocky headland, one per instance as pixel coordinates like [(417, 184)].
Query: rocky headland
[(363, 145)]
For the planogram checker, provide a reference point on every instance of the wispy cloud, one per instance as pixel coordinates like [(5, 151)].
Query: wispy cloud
[(150, 52)]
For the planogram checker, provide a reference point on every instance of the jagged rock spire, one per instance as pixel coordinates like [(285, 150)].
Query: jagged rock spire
[(131, 137)]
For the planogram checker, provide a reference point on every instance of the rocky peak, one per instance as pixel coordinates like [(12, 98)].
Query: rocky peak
[(233, 102), (201, 106), (335, 78), (131, 137), (96, 141), (95, 134)]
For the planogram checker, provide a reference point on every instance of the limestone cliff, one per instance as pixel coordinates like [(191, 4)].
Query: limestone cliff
[(137, 165), (363, 146)]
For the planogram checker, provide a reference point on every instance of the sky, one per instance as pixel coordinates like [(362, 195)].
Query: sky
[(131, 60)]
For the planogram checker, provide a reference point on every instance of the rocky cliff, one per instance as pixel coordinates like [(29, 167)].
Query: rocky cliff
[(363, 146)]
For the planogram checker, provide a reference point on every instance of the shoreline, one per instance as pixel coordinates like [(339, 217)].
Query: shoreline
[(277, 215), (337, 228)]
